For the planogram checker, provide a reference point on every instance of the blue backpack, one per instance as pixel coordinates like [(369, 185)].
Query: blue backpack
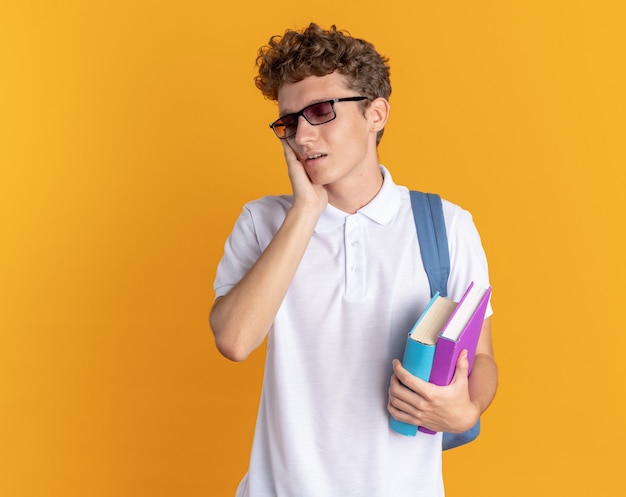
[(433, 241)]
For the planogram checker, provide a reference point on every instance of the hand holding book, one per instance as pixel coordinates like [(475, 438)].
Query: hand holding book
[(421, 403)]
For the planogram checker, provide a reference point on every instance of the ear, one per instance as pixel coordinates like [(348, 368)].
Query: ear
[(378, 113)]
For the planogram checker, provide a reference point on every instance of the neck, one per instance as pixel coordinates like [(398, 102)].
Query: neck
[(350, 198)]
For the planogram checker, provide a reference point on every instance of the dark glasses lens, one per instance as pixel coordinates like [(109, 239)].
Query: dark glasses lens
[(319, 113), (286, 126)]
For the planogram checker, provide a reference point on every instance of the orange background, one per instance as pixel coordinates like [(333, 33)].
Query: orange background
[(130, 135)]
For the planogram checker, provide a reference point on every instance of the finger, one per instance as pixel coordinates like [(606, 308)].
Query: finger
[(410, 381), (290, 155), (462, 368), (295, 168), (402, 411), (398, 390)]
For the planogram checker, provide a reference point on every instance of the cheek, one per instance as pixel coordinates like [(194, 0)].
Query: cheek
[(356, 130)]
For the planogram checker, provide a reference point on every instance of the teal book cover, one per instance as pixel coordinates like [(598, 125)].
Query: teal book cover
[(418, 360)]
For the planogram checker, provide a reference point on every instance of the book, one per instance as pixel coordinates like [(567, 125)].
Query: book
[(443, 330)]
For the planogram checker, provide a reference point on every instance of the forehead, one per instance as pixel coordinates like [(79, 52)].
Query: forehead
[(292, 97)]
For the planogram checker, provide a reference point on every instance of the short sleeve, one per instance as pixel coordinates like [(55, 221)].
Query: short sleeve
[(468, 261), (253, 231)]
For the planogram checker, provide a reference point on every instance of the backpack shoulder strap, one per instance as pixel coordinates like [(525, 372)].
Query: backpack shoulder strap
[(433, 240)]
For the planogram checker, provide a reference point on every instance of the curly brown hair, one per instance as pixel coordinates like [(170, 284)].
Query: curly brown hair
[(317, 52)]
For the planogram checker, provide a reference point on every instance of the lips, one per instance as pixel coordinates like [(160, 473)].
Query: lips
[(313, 159)]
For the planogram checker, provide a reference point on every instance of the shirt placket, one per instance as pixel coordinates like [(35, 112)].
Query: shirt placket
[(355, 256)]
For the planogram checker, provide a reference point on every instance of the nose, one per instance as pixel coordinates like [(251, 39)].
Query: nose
[(305, 132)]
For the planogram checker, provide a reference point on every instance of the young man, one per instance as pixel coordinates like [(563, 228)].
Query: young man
[(333, 273)]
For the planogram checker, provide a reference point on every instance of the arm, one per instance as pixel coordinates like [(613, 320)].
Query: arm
[(241, 319), (483, 381), (453, 408)]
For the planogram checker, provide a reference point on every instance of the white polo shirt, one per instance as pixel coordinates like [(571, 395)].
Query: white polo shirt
[(322, 426)]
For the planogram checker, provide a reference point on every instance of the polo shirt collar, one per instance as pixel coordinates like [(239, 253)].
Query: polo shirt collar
[(381, 209)]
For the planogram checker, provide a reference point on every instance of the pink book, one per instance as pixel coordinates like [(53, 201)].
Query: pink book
[(461, 332)]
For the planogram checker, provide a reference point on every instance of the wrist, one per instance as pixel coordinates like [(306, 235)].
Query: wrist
[(306, 212)]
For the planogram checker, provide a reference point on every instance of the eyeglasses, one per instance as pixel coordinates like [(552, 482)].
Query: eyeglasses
[(315, 114)]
